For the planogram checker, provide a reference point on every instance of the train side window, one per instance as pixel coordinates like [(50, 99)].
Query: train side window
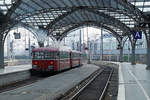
[(65, 55), (55, 55), (51, 55), (61, 55), (46, 55), (36, 54), (41, 55)]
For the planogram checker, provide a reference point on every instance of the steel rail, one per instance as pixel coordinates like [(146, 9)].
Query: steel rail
[(85, 85), (106, 86), (104, 90)]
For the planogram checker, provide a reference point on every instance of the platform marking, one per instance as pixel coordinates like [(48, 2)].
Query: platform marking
[(141, 87), (121, 91)]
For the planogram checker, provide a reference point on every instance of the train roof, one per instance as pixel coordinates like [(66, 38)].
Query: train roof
[(51, 49), (45, 49), (62, 48)]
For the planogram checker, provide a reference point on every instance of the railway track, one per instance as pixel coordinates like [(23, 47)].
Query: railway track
[(33, 78), (95, 88), (18, 84)]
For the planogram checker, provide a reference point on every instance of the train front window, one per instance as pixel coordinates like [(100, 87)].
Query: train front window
[(45, 55), (51, 55), (38, 55)]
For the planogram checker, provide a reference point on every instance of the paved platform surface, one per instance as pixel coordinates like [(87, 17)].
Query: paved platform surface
[(134, 82), (51, 87), (12, 69)]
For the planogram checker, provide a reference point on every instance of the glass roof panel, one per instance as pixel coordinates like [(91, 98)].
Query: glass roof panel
[(5, 5), (42, 12), (143, 5)]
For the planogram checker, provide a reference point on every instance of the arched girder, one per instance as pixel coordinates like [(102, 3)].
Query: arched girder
[(26, 27), (34, 31), (85, 22), (75, 27), (95, 8), (131, 9), (61, 17), (5, 31), (112, 20), (1, 13), (100, 22), (49, 10), (14, 6)]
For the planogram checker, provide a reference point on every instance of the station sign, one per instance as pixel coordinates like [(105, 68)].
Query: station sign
[(107, 36), (86, 48), (137, 35), (17, 35)]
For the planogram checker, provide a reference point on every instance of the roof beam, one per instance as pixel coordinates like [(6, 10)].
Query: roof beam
[(114, 21), (66, 32)]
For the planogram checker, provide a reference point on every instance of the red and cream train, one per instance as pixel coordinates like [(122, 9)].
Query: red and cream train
[(55, 59)]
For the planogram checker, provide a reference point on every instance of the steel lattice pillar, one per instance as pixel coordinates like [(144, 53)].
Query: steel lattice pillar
[(41, 44), (133, 56), (147, 35), (148, 55), (121, 54), (133, 44), (120, 47), (1, 52)]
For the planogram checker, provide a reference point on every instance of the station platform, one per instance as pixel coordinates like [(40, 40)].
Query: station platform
[(134, 82), (13, 69), (51, 87), (12, 74)]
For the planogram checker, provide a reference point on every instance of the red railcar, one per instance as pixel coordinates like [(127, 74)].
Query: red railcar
[(76, 58), (54, 59)]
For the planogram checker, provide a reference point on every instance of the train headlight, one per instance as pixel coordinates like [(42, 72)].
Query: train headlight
[(34, 67), (35, 62), (51, 62), (50, 67)]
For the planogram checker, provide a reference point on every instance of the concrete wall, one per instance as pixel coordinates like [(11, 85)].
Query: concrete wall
[(10, 78)]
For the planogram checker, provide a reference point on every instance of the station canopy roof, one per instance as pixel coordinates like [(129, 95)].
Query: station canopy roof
[(60, 16)]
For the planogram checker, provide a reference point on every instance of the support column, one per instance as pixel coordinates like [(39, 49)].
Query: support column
[(133, 44), (121, 54), (41, 44), (101, 45), (120, 47), (88, 45), (1, 52), (147, 35), (133, 55), (80, 38), (148, 55)]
